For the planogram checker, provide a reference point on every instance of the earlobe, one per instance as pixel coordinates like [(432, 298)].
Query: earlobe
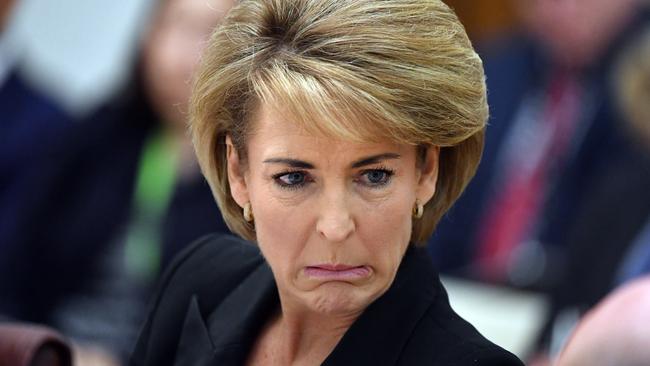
[(429, 174), (236, 179)]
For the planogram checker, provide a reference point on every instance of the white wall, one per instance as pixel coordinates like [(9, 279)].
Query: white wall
[(78, 51)]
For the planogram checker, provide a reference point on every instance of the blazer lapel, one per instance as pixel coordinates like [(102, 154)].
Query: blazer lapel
[(236, 323), (230, 330), (381, 332), (195, 347)]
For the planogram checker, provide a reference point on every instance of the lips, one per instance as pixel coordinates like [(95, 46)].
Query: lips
[(337, 272)]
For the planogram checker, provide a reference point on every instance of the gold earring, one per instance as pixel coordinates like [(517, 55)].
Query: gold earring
[(418, 209), (248, 212)]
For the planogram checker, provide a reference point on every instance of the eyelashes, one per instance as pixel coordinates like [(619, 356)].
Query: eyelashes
[(376, 177), (371, 178), (294, 179)]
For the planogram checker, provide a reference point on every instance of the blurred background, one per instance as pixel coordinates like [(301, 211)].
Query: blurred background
[(99, 187)]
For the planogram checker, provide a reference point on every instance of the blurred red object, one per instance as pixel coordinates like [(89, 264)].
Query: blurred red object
[(24, 344)]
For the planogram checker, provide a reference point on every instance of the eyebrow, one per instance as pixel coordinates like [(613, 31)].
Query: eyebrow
[(374, 159), (295, 163)]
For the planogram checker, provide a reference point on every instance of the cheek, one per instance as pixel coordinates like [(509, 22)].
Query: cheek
[(386, 229), (281, 228)]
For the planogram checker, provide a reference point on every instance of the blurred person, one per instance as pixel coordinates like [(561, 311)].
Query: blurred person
[(609, 243), (615, 332), (553, 131), (576, 32), (116, 198), (335, 134)]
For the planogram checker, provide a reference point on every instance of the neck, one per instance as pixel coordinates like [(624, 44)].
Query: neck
[(302, 337)]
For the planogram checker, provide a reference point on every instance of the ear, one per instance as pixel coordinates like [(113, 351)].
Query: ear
[(236, 175), (428, 177)]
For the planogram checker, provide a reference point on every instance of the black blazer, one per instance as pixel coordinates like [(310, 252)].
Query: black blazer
[(216, 296)]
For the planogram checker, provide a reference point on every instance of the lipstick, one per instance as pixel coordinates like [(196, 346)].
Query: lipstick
[(336, 272)]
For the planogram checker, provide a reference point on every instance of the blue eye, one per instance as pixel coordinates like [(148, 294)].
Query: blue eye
[(376, 177), (291, 179)]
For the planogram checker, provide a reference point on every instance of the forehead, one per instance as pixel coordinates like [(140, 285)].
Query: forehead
[(274, 132)]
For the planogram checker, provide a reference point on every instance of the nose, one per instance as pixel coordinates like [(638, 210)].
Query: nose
[(335, 222)]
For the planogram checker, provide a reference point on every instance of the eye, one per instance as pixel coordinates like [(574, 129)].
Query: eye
[(291, 179), (376, 177)]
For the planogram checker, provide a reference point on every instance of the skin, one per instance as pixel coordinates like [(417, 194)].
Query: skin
[(172, 49), (340, 210), (576, 32), (615, 332)]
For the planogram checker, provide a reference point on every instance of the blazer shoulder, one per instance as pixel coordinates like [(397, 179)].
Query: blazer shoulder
[(442, 337), (229, 252), (209, 264), (209, 269)]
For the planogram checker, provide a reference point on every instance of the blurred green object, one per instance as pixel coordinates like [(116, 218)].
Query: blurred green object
[(153, 193)]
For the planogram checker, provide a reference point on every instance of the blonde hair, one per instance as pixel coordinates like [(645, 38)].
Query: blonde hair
[(632, 81), (356, 69)]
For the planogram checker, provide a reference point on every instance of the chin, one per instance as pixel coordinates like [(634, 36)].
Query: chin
[(340, 299)]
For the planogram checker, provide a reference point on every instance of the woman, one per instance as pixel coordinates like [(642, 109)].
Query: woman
[(334, 134)]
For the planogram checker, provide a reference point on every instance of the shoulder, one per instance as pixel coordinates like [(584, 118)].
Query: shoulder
[(444, 338), (209, 264), (229, 253), (210, 268)]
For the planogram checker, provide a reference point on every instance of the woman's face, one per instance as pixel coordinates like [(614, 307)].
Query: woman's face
[(332, 217)]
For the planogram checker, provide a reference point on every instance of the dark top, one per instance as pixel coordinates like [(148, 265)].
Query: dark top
[(216, 296)]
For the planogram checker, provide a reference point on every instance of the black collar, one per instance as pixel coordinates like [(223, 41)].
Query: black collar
[(377, 337)]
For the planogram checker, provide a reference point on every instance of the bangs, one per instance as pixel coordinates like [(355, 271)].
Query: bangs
[(330, 107), (401, 71)]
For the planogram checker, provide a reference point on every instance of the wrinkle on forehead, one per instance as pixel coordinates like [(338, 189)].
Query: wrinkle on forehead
[(276, 137)]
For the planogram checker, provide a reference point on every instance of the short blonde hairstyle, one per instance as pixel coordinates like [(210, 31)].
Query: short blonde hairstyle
[(366, 70)]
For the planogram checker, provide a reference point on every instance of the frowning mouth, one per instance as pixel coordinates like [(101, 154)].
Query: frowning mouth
[(337, 272)]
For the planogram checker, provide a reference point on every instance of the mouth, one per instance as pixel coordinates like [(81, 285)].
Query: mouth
[(337, 272)]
